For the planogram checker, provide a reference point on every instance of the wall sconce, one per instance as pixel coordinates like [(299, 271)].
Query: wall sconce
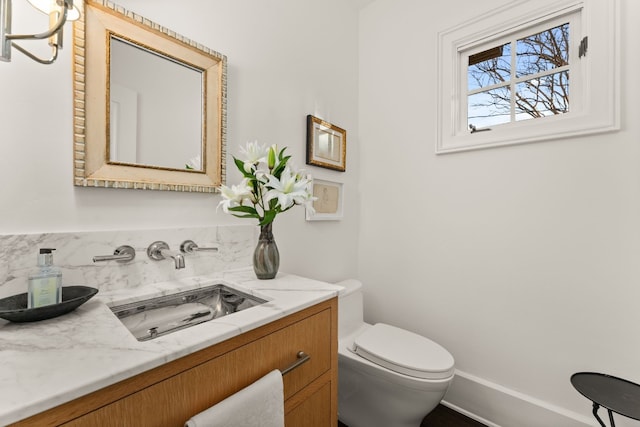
[(59, 11)]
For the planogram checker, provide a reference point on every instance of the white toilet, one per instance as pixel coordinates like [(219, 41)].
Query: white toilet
[(387, 376)]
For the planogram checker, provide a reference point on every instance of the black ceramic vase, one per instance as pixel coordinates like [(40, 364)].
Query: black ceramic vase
[(266, 258)]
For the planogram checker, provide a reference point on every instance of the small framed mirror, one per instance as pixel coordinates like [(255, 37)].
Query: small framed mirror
[(326, 144), (149, 105)]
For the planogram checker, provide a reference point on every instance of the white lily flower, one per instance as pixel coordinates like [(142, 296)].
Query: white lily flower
[(253, 153), (308, 203), (289, 189), (234, 196), (254, 196), (262, 176)]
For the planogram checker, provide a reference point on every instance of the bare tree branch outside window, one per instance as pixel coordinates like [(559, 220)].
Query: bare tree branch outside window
[(536, 77)]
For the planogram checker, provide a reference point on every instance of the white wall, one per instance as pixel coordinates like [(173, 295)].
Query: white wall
[(286, 59), (523, 260)]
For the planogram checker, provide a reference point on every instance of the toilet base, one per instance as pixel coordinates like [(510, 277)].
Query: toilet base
[(368, 400)]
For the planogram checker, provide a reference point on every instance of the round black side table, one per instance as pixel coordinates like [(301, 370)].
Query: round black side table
[(612, 393)]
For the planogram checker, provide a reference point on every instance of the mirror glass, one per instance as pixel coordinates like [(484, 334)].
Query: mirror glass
[(152, 122), (149, 105)]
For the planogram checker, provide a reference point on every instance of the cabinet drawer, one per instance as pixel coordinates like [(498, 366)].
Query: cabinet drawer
[(315, 411), (173, 401), (313, 336)]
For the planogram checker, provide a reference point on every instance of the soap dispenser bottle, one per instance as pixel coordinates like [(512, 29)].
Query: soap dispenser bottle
[(45, 283)]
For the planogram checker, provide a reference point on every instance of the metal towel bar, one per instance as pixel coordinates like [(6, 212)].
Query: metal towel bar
[(302, 358)]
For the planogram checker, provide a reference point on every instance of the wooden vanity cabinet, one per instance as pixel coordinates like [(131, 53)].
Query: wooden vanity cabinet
[(172, 393)]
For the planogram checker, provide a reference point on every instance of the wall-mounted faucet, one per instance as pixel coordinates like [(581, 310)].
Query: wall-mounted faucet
[(124, 253), (158, 251), (189, 247)]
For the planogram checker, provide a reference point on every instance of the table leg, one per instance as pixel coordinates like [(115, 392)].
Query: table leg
[(595, 414), (613, 424)]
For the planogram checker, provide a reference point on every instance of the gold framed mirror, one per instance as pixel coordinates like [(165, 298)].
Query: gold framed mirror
[(149, 105)]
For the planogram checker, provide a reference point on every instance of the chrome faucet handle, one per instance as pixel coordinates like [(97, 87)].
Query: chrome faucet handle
[(159, 250), (189, 247), (124, 253), (155, 250)]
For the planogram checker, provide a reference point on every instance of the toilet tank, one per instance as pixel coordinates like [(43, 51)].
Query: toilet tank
[(350, 310)]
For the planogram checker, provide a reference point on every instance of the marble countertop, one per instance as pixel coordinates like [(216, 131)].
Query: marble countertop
[(47, 363)]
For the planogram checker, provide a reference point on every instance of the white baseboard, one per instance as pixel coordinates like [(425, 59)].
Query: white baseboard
[(497, 406)]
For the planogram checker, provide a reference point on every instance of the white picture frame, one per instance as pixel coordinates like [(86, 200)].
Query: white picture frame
[(329, 203)]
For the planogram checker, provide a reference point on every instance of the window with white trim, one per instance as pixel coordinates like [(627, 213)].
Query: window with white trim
[(528, 72)]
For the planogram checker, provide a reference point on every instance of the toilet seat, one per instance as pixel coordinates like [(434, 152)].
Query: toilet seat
[(404, 352)]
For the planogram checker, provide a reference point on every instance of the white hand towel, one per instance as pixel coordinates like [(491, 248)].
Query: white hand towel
[(259, 405)]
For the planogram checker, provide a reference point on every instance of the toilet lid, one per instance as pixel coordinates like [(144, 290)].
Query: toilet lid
[(404, 352)]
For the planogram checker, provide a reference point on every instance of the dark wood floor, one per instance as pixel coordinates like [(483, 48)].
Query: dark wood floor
[(444, 417)]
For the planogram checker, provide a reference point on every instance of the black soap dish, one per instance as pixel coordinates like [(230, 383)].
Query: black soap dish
[(14, 308)]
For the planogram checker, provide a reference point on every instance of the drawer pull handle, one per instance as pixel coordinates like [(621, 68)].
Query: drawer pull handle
[(302, 357)]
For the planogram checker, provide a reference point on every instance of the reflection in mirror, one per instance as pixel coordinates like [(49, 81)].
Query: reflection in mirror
[(151, 122), (149, 105), (327, 144)]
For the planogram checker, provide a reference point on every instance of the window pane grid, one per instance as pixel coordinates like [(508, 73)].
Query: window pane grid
[(518, 80), (524, 78)]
